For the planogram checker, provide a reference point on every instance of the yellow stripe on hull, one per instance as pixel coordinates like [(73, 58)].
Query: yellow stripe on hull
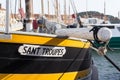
[(57, 76), (45, 40)]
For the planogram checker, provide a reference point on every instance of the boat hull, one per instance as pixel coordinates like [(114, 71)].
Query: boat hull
[(114, 42), (14, 65)]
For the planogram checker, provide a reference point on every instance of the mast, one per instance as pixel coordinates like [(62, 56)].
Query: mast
[(87, 9), (69, 13), (69, 9), (65, 11), (48, 10), (29, 26), (104, 7), (7, 16), (56, 10), (119, 14), (105, 17), (20, 4), (42, 7), (20, 7), (15, 9)]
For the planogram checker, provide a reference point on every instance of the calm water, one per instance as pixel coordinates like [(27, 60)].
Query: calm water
[(106, 70)]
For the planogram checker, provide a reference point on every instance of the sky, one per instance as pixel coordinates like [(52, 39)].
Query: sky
[(112, 6)]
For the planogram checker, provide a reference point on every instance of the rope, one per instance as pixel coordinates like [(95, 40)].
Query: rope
[(72, 62), (112, 62), (102, 51), (76, 12)]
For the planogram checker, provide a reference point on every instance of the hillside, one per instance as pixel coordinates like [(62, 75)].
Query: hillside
[(96, 14)]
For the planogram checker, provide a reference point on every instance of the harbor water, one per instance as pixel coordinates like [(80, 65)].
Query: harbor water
[(106, 70)]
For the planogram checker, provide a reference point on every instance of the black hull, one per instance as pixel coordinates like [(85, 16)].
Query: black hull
[(43, 57), (11, 61)]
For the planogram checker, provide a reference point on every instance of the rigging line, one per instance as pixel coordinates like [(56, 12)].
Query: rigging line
[(105, 56), (75, 12), (73, 6), (112, 62), (15, 8), (77, 15), (73, 61), (69, 9)]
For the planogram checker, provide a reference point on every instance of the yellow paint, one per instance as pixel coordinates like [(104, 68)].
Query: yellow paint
[(43, 40), (57, 76)]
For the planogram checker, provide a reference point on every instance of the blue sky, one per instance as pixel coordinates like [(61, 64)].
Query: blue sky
[(112, 6)]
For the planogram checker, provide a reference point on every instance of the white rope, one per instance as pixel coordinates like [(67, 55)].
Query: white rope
[(101, 50), (73, 6)]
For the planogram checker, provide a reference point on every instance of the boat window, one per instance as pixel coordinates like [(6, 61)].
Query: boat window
[(92, 21), (110, 27), (118, 28)]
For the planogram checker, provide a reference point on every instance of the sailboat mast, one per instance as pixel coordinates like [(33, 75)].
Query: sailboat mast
[(56, 8), (69, 13), (20, 7), (7, 16), (28, 4), (48, 10), (42, 7), (20, 4), (28, 9), (65, 11), (104, 7), (15, 8), (87, 9)]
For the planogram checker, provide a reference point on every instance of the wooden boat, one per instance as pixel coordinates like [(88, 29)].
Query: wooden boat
[(41, 56)]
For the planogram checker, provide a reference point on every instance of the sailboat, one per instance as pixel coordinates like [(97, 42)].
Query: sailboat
[(42, 56), (39, 56)]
